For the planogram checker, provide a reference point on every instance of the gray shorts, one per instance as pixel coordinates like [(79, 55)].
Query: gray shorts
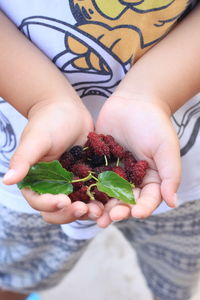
[(35, 255)]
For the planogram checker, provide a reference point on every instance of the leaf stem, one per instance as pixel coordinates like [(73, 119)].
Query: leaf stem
[(106, 161), (84, 179), (95, 178), (89, 193), (117, 163)]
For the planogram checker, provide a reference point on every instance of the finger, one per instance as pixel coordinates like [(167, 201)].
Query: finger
[(168, 163), (105, 220), (148, 201), (33, 146), (95, 209), (122, 211), (66, 215), (46, 202)]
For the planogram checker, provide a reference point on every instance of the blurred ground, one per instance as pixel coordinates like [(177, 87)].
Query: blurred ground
[(107, 271)]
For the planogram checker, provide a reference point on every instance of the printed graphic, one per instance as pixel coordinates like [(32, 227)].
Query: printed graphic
[(188, 126), (7, 141), (106, 39), (126, 28)]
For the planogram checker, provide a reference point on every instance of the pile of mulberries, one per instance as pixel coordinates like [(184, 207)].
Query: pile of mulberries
[(99, 154)]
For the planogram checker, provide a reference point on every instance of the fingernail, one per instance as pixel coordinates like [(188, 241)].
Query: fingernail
[(79, 213), (92, 216), (136, 217), (62, 204), (9, 175)]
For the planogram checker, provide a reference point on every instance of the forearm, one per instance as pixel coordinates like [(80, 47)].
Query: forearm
[(170, 71), (27, 76)]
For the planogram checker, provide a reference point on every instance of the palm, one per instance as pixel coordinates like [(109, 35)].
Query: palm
[(43, 141), (145, 130)]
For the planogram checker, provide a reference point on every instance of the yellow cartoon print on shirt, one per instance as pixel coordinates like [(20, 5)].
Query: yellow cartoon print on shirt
[(96, 41), (126, 28)]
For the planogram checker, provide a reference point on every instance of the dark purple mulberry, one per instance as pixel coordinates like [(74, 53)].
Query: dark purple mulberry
[(77, 152)]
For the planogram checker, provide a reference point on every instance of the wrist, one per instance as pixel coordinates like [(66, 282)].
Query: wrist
[(62, 115), (143, 99), (62, 101)]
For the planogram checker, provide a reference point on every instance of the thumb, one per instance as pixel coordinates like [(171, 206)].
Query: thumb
[(168, 163), (32, 147)]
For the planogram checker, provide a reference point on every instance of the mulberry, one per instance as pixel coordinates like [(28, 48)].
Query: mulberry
[(88, 152), (77, 152), (129, 161), (101, 169), (80, 195), (91, 159), (136, 175), (143, 164), (121, 172), (77, 185), (97, 144), (81, 170), (97, 160), (67, 160), (100, 196), (115, 148)]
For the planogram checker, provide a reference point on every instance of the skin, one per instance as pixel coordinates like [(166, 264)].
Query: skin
[(149, 116), (44, 96)]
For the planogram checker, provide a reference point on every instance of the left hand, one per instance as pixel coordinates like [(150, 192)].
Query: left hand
[(143, 126)]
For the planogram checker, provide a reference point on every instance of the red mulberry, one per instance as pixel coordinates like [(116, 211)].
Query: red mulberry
[(77, 185), (97, 144), (81, 170), (67, 160), (115, 148), (136, 175), (129, 161), (80, 195), (101, 169), (121, 172), (100, 196), (88, 152), (143, 164)]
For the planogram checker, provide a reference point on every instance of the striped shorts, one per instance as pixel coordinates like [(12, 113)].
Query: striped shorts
[(35, 255)]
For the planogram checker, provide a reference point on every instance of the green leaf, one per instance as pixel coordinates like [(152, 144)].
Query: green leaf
[(48, 177), (115, 186)]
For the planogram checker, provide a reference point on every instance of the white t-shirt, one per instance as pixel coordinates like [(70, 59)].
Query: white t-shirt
[(94, 43)]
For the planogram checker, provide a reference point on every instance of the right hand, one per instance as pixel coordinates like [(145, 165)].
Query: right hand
[(53, 127)]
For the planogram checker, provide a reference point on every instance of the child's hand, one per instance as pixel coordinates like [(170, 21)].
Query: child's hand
[(143, 127), (53, 127)]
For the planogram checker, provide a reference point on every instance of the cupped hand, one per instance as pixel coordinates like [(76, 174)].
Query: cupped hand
[(52, 128), (143, 127)]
